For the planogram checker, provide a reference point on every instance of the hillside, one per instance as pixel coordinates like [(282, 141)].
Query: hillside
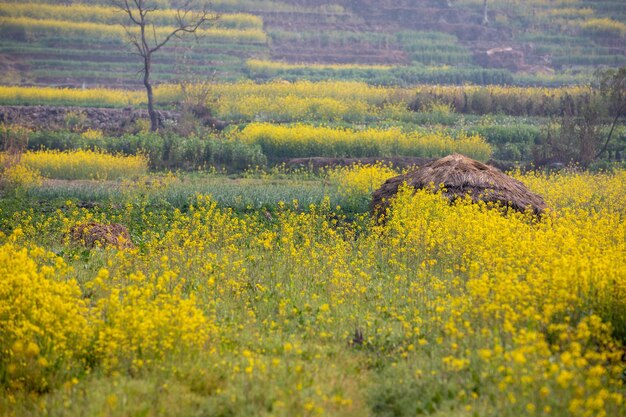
[(542, 42)]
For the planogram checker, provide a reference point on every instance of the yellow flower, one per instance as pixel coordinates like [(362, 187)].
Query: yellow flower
[(32, 349)]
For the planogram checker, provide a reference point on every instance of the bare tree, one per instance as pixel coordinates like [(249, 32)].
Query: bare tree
[(142, 35)]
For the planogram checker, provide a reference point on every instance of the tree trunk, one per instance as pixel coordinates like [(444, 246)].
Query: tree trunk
[(154, 119), (485, 14)]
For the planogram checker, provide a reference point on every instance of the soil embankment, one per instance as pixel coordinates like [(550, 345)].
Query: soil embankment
[(78, 118)]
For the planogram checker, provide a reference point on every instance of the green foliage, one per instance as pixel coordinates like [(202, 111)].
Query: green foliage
[(510, 142), (403, 393), (613, 87), (433, 48), (576, 136), (489, 100), (164, 150), (13, 139), (401, 75)]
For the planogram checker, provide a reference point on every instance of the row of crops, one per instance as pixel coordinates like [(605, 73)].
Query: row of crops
[(282, 120), (323, 101), (87, 43), (49, 43)]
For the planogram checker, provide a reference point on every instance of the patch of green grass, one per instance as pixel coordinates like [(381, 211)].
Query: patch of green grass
[(240, 194)]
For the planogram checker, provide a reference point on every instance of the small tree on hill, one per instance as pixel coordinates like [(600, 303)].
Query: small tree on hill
[(142, 34)]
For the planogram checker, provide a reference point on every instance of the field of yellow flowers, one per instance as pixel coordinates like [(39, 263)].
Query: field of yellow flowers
[(104, 22), (110, 15), (303, 100), (305, 140), (301, 311)]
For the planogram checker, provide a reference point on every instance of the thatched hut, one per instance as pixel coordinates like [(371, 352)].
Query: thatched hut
[(461, 176)]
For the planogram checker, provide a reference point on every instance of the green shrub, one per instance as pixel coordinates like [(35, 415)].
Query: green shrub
[(511, 143), (498, 134)]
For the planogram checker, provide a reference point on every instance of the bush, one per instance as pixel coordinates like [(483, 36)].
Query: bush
[(480, 101), (143, 322), (13, 139), (512, 143), (515, 101), (20, 176), (498, 134)]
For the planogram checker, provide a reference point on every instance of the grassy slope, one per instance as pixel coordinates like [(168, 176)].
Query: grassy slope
[(326, 33)]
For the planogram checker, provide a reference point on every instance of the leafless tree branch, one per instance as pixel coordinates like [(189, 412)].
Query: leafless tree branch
[(187, 21)]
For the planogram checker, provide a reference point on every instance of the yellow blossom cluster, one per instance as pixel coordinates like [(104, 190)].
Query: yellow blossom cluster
[(325, 100), (84, 164), (92, 134), (43, 324), (305, 140), (603, 189), (345, 90), (288, 108), (48, 95), (19, 176), (358, 181), (145, 318)]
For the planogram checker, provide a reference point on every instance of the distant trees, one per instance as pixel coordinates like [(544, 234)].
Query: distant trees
[(580, 130), (580, 133), (146, 38)]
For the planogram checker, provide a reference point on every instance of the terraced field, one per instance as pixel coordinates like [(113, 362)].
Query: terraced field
[(51, 44), (530, 42)]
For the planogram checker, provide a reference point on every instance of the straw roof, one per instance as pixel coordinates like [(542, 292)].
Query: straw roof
[(461, 176)]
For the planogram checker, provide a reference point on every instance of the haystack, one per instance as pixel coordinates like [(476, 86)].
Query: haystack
[(461, 176), (94, 233)]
